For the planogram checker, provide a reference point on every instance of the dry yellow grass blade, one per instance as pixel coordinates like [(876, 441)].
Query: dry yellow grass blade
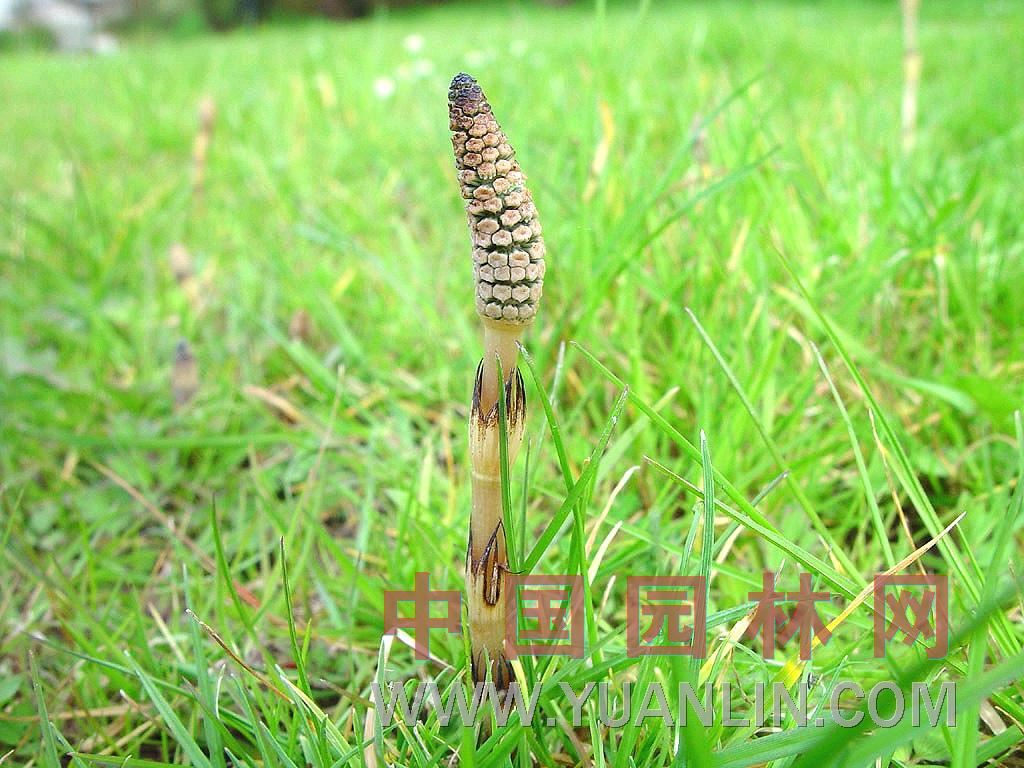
[(790, 673)]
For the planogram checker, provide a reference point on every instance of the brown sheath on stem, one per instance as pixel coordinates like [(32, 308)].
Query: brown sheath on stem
[(486, 553), (508, 267)]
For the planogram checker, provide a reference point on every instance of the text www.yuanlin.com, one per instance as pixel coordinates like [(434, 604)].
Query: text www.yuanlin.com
[(847, 704)]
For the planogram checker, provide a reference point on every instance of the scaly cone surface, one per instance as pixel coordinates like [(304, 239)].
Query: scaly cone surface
[(508, 250)]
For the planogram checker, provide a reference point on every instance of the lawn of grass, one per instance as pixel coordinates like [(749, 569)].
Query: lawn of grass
[(785, 280)]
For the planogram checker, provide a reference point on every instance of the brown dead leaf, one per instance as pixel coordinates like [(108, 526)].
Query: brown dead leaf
[(184, 375)]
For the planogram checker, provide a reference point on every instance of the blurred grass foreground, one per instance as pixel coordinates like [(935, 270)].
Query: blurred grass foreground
[(237, 339)]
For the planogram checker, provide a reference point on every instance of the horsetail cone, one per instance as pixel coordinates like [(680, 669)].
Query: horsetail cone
[(508, 250), (508, 264)]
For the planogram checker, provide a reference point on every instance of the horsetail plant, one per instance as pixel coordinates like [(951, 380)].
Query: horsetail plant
[(508, 267)]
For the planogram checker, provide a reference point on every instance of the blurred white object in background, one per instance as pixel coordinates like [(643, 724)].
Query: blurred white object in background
[(74, 24), (6, 14), (384, 87), (413, 43)]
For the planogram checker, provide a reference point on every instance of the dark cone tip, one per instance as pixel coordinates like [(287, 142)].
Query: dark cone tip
[(464, 90)]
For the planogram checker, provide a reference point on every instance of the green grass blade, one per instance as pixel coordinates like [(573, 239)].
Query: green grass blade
[(181, 734), (503, 471), (814, 563), (552, 528), (688, 448), (49, 753), (293, 635), (881, 534), (206, 686), (838, 551)]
